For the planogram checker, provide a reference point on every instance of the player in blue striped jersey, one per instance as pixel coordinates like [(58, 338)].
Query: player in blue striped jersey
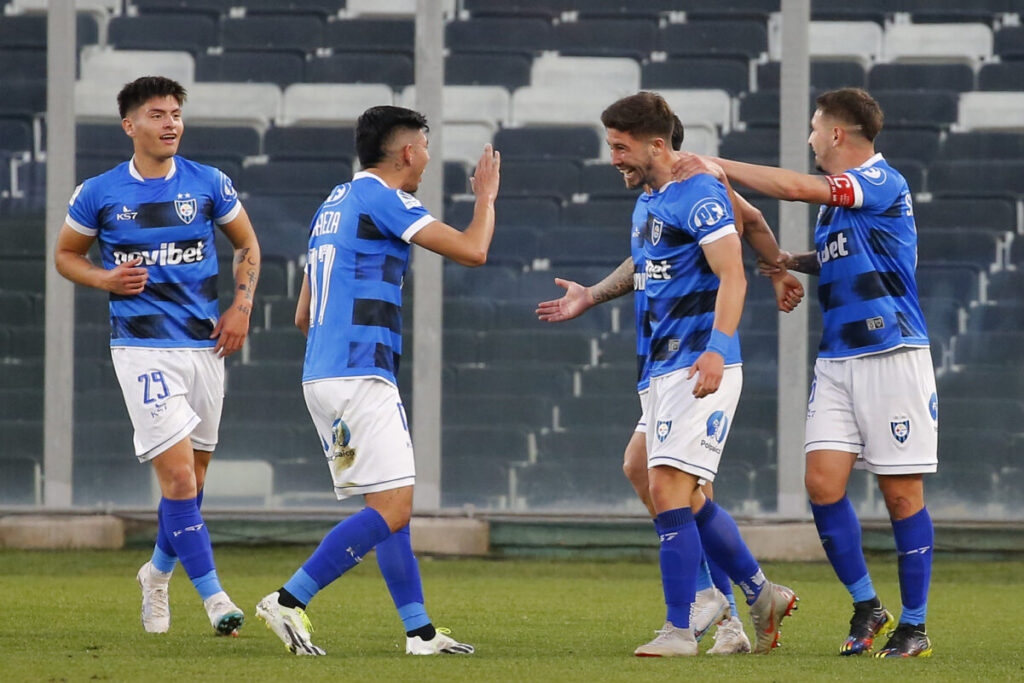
[(350, 308), (154, 217), (872, 403)]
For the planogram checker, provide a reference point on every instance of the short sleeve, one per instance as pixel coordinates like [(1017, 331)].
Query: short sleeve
[(400, 214), (83, 211), (879, 187), (710, 214), (225, 199)]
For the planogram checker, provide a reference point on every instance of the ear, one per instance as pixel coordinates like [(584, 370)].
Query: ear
[(128, 127), (407, 155), (838, 134)]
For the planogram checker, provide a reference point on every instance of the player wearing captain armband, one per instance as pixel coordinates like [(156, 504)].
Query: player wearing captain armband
[(350, 308), (154, 218), (873, 403)]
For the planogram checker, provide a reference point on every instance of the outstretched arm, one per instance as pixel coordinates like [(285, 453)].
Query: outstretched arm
[(578, 299), (780, 183)]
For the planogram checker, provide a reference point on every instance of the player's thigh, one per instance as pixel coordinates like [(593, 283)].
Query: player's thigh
[(831, 419), (206, 396)]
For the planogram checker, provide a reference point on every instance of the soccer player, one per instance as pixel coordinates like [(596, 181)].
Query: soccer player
[(695, 287), (873, 403), (154, 216), (714, 589), (350, 308)]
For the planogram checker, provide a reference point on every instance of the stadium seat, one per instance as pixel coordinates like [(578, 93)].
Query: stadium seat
[(599, 214), (22, 97), (304, 33), (312, 104), (617, 76), (29, 30), (393, 69), (252, 104), (24, 63), (978, 248), (901, 76), (558, 485), (319, 8), (604, 181), (729, 74), (956, 413), (102, 139), (282, 220), (263, 376), (991, 111), (756, 144), (277, 344), (560, 105), (825, 75), (742, 38), (473, 410), (21, 308), (1001, 76), (310, 143), (860, 41), (971, 43), (1009, 42), (919, 144), (1006, 316), (230, 142), (977, 177), (759, 10), (371, 35), (212, 8), (389, 8), (972, 383), (604, 249), (983, 145), (917, 109), (942, 316), (294, 177), (500, 34), (1006, 286), (510, 212), (606, 37), (509, 380), (762, 108), (607, 378), (865, 10), (465, 142), (251, 66), (15, 135), (913, 172), (114, 68), (468, 104), (523, 8), (952, 282), (953, 11), (510, 71), (973, 213), (578, 142), (475, 462), (178, 31), (619, 410)]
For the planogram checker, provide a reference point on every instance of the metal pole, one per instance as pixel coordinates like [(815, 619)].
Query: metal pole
[(428, 267), (59, 372), (793, 118)]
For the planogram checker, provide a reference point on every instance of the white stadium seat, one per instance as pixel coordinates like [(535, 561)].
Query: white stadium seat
[(465, 141), (96, 101), (701, 106), (105, 65), (389, 9), (331, 104), (859, 41), (486, 104), (233, 104), (991, 111), (559, 105), (620, 75), (970, 43)]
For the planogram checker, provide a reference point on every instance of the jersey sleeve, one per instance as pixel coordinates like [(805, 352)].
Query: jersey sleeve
[(709, 212), (226, 206), (83, 209), (869, 187), (400, 214)]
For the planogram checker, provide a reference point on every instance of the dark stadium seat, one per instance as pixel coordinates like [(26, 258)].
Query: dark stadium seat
[(509, 379), (474, 410), (279, 32), (602, 214), (29, 30), (617, 348), (212, 8), (863, 10), (917, 109), (455, 179), (918, 144), (949, 281), (983, 145), (229, 142), (15, 134), (519, 8), (192, 32), (973, 213), (280, 343), (606, 37), (762, 108), (263, 376), (101, 139), (526, 212), (520, 313), (1009, 42), (251, 66), (1001, 76), (282, 221), (714, 38), (1006, 285), (899, 76), (280, 405), (23, 236), (825, 75), (22, 274), (320, 8), (608, 378), (539, 345), (982, 178), (1007, 316), (983, 382), (501, 34), (758, 10), (952, 11), (20, 479), (551, 178), (604, 181), (731, 75), (957, 412), (371, 35), (294, 177), (913, 172), (492, 281), (308, 142), (475, 461), (585, 247), (942, 316), (393, 69), (473, 68), (548, 142), (26, 97), (21, 308), (756, 144), (23, 63), (619, 410), (585, 481)]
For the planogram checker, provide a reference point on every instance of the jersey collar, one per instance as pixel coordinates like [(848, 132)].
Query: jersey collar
[(138, 176), (366, 174), (872, 161)]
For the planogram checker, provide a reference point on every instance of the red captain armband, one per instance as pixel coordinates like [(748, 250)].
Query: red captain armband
[(843, 188)]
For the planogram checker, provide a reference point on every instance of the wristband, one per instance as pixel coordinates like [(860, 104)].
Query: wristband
[(719, 343)]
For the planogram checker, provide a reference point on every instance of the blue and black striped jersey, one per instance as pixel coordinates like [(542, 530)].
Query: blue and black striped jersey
[(643, 322)]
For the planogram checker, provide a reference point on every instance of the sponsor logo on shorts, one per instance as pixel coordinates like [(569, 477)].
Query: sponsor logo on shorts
[(933, 406), (663, 429), (900, 428), (718, 425)]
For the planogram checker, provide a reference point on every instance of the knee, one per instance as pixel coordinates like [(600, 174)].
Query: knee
[(636, 472), (179, 483), (823, 489)]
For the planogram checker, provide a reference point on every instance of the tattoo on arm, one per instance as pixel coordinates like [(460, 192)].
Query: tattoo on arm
[(806, 263), (242, 255), (618, 283)]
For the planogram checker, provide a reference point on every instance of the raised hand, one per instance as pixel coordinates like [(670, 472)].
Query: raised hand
[(487, 176), (575, 302)]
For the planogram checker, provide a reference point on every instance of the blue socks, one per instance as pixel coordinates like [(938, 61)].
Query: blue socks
[(342, 548), (164, 557), (190, 541), (401, 573), (724, 545), (839, 530), (915, 539), (722, 583), (680, 559), (704, 580)]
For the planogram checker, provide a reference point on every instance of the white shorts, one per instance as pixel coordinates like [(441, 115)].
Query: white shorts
[(171, 394), (882, 407), (641, 426), (378, 455), (689, 433)]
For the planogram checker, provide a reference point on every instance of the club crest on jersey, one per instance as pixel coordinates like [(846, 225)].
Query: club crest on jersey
[(186, 209), (718, 425), (663, 429), (707, 213), (873, 175), (657, 227), (900, 427)]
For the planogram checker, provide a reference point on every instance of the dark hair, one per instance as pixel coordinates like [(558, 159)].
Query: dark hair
[(677, 133), (855, 107), (645, 114), (135, 94), (378, 125)]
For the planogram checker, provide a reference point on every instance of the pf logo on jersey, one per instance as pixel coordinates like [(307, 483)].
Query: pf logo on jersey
[(186, 209), (900, 427), (707, 213)]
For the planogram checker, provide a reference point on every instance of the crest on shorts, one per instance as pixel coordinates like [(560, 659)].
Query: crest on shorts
[(900, 428), (663, 429), (186, 209), (718, 425)]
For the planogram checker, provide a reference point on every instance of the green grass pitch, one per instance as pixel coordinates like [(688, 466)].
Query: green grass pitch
[(74, 616)]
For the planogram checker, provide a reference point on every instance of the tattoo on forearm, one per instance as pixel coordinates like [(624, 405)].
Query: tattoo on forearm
[(806, 263), (244, 309), (242, 254), (618, 283)]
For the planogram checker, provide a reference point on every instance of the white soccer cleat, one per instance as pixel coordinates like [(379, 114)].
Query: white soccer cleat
[(767, 612), (290, 624), (156, 610), (709, 607), (441, 643), (730, 639), (225, 617), (670, 642)]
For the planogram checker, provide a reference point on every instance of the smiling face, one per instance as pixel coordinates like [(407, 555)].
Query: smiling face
[(155, 127), (633, 157), (419, 157)]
